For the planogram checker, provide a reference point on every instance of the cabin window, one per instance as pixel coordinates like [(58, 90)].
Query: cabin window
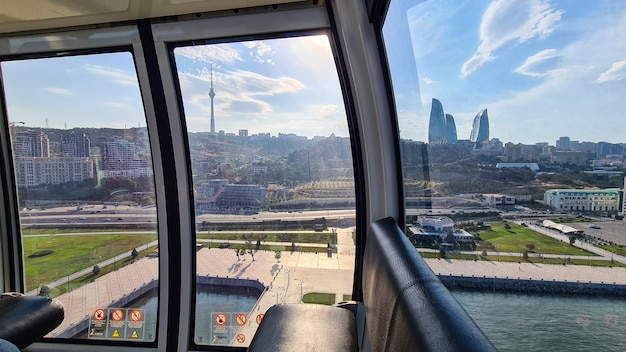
[(86, 192), (519, 100), (273, 184)]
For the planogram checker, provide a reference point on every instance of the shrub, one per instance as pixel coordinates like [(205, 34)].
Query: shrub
[(42, 253), (44, 291)]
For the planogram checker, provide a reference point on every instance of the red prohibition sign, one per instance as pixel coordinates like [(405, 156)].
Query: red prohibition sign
[(117, 315), (259, 318), (241, 338), (241, 319), (99, 314), (220, 319), (135, 315)]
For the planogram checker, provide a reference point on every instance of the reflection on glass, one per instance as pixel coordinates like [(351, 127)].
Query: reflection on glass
[(272, 179), (511, 116), (85, 189)]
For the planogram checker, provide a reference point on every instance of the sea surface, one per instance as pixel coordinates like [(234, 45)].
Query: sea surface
[(531, 322), (210, 300)]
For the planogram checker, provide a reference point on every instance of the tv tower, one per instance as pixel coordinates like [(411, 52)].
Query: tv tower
[(212, 95)]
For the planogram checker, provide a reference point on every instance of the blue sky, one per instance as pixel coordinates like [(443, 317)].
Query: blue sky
[(543, 69), (285, 85)]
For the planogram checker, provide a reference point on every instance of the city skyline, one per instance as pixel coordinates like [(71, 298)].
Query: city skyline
[(528, 62), (277, 134), (534, 74)]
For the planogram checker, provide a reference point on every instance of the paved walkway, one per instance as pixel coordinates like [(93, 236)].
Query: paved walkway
[(525, 270), (296, 274)]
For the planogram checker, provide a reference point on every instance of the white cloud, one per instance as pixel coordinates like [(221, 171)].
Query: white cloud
[(114, 74), (541, 64), (323, 110), (236, 92), (426, 80), (615, 73), (260, 51), (510, 20), (249, 83), (222, 53), (115, 105), (60, 91)]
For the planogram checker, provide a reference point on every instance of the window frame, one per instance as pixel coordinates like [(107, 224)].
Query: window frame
[(357, 60), (250, 25), (72, 43)]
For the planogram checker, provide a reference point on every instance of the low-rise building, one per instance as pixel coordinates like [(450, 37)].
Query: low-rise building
[(431, 229), (604, 200), (496, 200)]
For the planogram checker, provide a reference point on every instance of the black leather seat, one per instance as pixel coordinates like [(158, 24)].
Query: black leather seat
[(407, 308), (306, 327), (26, 319), (405, 305)]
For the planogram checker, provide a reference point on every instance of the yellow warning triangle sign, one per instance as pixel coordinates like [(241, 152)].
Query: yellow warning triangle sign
[(115, 333), (134, 335)]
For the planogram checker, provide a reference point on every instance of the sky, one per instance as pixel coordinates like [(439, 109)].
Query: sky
[(542, 68), (287, 85)]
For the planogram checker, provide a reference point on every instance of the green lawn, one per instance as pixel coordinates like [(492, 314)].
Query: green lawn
[(516, 238), (73, 253), (319, 298), (619, 250), (263, 247), (73, 284), (516, 259), (571, 220), (297, 237)]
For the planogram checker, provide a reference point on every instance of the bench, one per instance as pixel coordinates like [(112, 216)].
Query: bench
[(405, 308)]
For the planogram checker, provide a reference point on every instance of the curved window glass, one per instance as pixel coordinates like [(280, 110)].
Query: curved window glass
[(511, 115), (273, 180), (86, 192)]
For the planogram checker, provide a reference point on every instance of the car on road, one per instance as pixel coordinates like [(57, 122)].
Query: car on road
[(594, 226)]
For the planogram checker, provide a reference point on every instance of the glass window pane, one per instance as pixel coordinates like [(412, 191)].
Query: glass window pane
[(272, 178), (511, 119), (86, 192)]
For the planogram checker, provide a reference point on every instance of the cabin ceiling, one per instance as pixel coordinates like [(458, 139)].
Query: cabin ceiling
[(28, 15)]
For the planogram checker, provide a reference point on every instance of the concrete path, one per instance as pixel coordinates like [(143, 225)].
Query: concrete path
[(296, 274), (525, 270)]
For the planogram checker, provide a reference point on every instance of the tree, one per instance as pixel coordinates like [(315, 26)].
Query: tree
[(525, 254), (96, 269), (572, 240), (134, 253), (44, 291), (530, 247)]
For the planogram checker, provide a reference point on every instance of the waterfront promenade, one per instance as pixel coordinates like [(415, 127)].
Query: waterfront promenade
[(294, 274)]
